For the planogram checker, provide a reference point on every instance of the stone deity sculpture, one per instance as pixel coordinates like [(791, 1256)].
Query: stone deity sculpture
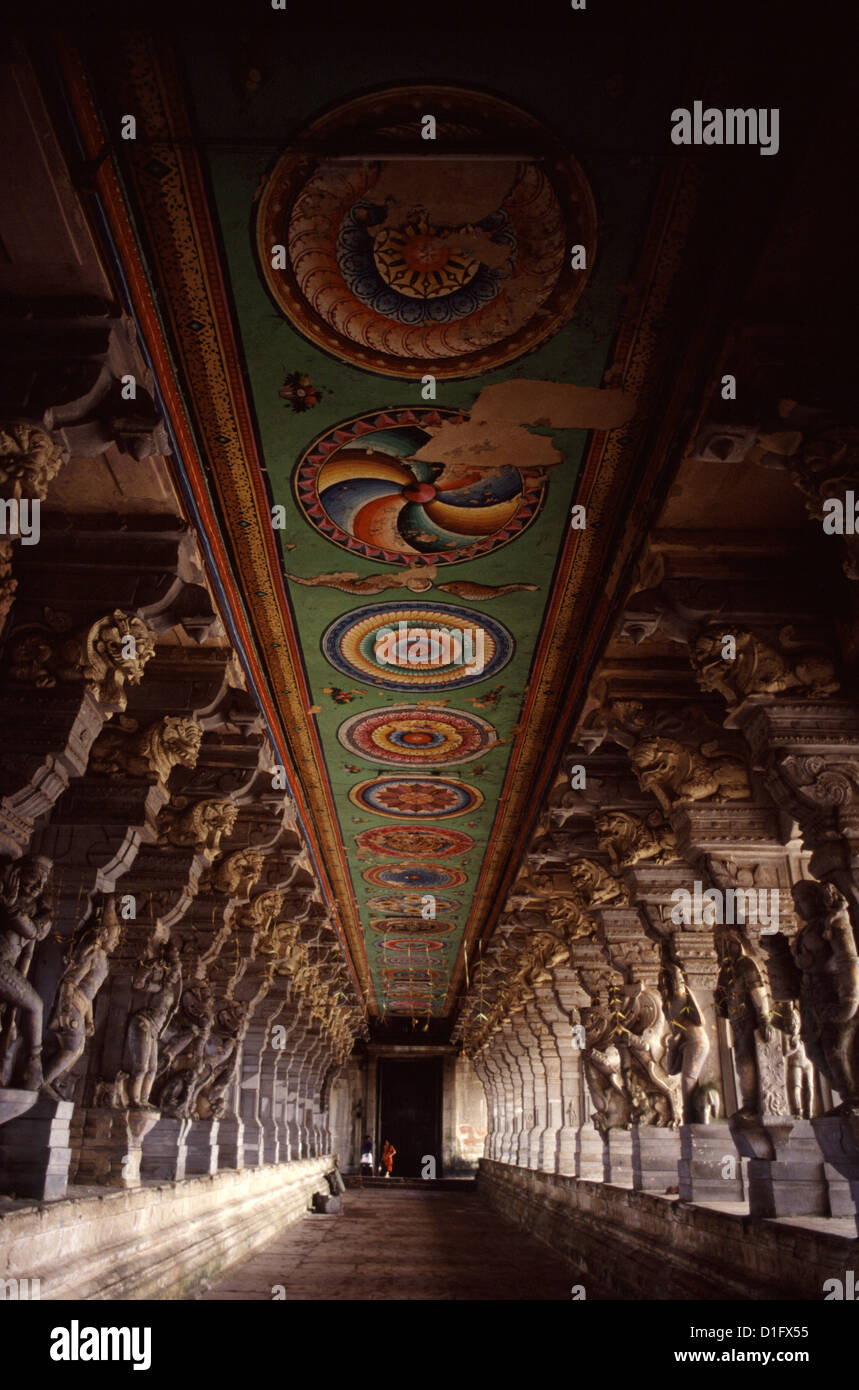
[(86, 970), (825, 952), (747, 1004), (689, 1044), (163, 981), (800, 1069), (24, 921)]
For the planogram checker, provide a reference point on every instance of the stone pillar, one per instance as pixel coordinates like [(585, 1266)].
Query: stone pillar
[(35, 1151)]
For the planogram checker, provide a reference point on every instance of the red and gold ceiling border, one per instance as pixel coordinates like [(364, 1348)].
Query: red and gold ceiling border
[(185, 258)]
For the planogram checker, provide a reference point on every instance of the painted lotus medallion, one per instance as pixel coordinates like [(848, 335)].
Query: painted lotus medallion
[(431, 646), (410, 737), (412, 904), (434, 798), (413, 841), (406, 264)]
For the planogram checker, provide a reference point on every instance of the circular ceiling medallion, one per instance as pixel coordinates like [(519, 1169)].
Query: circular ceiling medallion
[(415, 925), (410, 737), (403, 264), (404, 876), (360, 487), (407, 943), (433, 797), (412, 904), (407, 978), (409, 841), (431, 646)]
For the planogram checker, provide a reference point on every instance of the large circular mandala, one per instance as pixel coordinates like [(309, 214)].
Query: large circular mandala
[(407, 944), (359, 487), (412, 904), (409, 737), (432, 646), (426, 877), (412, 797), (405, 265), (411, 841), (391, 926)]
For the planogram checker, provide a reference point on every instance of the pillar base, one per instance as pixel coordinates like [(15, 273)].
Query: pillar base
[(165, 1152), (617, 1158), (270, 1144), (534, 1146), (112, 1146), (590, 1153), (710, 1170), (35, 1151), (202, 1147), (655, 1158), (252, 1143), (838, 1139), (14, 1103), (231, 1146), (565, 1149), (786, 1176)]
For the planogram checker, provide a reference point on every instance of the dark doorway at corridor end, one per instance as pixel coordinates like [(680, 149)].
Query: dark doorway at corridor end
[(410, 1113)]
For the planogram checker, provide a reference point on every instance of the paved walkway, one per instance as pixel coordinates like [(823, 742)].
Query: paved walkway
[(405, 1243)]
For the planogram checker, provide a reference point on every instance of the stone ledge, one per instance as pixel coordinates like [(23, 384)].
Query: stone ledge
[(158, 1241), (641, 1245)]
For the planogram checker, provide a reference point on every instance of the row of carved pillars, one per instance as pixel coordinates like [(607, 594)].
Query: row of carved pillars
[(195, 1001), (710, 766)]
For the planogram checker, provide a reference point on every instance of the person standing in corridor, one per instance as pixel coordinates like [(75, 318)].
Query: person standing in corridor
[(388, 1152), (367, 1157)]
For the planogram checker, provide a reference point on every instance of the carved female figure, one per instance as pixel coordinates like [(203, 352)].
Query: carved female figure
[(24, 920), (85, 973), (689, 1045), (163, 980), (825, 951)]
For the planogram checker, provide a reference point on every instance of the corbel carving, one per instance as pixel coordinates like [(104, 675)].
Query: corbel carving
[(109, 656), (200, 826), (126, 750), (673, 772), (627, 839), (758, 668)]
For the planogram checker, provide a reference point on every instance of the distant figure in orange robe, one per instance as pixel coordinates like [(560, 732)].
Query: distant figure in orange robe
[(388, 1152)]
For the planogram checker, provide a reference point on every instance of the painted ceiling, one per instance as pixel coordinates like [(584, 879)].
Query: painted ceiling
[(339, 294)]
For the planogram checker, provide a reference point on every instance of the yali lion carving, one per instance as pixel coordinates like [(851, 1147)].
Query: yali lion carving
[(173, 741), (673, 772), (627, 839), (109, 656), (758, 668), (200, 826), (30, 459)]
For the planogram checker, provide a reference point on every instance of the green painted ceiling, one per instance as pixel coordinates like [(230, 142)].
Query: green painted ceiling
[(242, 135)]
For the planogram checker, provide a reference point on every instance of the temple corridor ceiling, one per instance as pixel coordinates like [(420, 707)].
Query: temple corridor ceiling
[(403, 362)]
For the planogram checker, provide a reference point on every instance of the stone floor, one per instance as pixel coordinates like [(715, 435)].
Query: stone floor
[(404, 1243)]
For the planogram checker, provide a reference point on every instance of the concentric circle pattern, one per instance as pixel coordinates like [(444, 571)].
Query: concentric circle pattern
[(392, 925), (407, 944), (435, 798), (413, 905), (413, 841), (427, 877), (393, 267), (360, 486), (410, 737), (431, 646)]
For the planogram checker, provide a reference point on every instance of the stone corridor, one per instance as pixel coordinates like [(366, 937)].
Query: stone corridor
[(429, 665), (405, 1243)]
